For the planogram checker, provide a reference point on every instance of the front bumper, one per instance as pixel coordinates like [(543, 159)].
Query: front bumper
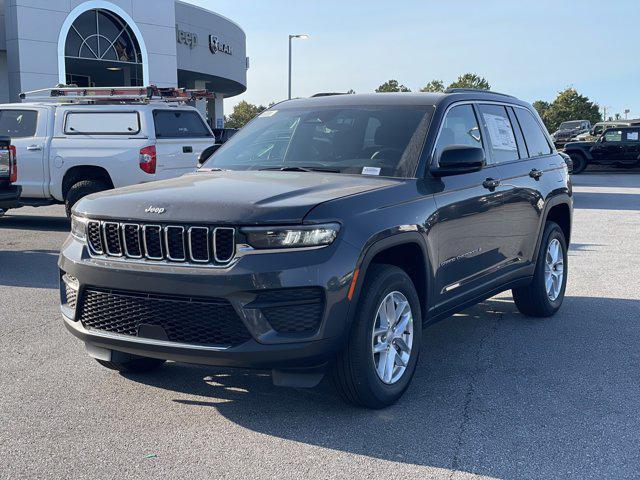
[(10, 196), (329, 269)]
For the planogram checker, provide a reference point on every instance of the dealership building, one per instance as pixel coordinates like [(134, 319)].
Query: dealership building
[(100, 43)]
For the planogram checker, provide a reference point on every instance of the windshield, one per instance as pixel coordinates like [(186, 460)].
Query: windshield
[(570, 125), (377, 140)]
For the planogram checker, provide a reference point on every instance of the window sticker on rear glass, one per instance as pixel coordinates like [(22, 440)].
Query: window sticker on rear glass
[(268, 113), (500, 131), (632, 136), (370, 171)]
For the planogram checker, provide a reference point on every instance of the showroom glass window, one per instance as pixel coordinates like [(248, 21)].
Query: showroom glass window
[(101, 50)]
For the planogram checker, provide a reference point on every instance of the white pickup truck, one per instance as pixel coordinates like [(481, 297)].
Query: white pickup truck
[(68, 150)]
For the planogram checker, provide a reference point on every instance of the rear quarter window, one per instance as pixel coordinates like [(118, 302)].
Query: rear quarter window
[(179, 124), (18, 123), (534, 137), (102, 123)]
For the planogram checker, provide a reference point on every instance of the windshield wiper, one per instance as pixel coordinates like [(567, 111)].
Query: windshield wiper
[(302, 169)]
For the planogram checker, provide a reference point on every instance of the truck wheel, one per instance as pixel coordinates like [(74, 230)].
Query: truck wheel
[(544, 296), (135, 365), (579, 163), (82, 189), (378, 362)]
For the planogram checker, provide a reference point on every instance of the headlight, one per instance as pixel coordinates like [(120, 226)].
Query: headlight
[(79, 228), (264, 238)]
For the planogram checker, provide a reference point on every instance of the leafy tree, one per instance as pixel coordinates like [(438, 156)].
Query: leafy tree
[(242, 113), (391, 86), (570, 105), (542, 107), (434, 86), (471, 80)]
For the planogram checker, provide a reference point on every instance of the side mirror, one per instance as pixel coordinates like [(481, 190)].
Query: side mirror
[(459, 159), (207, 153)]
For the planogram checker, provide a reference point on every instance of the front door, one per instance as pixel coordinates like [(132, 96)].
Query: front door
[(27, 129), (609, 148), (470, 226)]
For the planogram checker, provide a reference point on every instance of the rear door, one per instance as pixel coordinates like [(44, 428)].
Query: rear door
[(632, 145), (27, 129), (181, 136)]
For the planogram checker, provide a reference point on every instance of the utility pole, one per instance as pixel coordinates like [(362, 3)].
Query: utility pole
[(301, 36)]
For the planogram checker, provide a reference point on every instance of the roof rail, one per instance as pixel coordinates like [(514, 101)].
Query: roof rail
[(74, 94), (328, 94), (476, 90)]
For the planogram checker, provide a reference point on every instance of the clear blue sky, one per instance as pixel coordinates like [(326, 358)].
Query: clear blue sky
[(531, 48)]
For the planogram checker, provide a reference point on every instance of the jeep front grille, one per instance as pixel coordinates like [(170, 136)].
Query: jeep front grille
[(171, 243)]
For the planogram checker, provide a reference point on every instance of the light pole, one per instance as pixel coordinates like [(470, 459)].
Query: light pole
[(301, 36)]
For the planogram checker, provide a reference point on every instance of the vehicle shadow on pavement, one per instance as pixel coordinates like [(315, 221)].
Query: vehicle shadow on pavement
[(35, 223), (495, 393), (606, 201), (29, 268)]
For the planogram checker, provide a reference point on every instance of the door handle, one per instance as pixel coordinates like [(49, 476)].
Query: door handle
[(34, 148), (491, 184), (535, 174)]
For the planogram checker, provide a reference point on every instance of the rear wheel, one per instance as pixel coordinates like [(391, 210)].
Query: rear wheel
[(80, 190), (544, 296), (377, 365), (579, 163), (134, 365)]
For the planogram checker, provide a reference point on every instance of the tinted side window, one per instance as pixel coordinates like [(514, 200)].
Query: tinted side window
[(102, 123), (633, 135), (502, 139), (613, 136), (534, 137), (179, 124), (460, 127), (18, 123)]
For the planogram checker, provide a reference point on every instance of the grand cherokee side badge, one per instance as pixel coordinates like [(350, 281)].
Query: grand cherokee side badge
[(156, 210)]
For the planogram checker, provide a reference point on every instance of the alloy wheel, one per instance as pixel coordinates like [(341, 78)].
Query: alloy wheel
[(554, 269), (392, 337)]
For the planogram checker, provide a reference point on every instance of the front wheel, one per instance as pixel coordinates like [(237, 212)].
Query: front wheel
[(544, 296), (377, 365), (579, 163)]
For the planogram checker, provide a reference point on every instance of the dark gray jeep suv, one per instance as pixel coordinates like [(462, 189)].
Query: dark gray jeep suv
[(322, 238)]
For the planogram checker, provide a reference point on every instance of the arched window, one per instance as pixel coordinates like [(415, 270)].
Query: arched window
[(102, 50)]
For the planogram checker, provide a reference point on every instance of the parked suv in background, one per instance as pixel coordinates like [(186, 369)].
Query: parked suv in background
[(323, 237), (568, 130), (68, 150), (598, 129), (619, 147), (9, 192)]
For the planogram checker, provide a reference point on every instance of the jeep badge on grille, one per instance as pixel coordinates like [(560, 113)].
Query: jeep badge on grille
[(156, 210)]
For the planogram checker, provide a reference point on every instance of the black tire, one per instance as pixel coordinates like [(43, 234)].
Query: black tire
[(533, 300), (82, 189), (353, 374), (579, 163), (135, 365)]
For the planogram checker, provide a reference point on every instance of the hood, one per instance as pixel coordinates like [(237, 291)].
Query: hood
[(229, 197)]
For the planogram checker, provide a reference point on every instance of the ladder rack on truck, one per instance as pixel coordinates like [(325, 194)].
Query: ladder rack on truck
[(70, 94)]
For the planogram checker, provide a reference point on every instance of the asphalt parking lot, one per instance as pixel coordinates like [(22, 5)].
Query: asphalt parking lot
[(496, 395)]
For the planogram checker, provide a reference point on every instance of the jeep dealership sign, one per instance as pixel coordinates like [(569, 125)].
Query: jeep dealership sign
[(190, 39)]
